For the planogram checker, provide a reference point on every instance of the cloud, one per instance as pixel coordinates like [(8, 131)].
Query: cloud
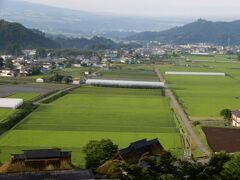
[(152, 7)]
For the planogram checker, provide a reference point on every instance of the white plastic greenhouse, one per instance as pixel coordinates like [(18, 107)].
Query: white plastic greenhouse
[(122, 83), (10, 103), (195, 73)]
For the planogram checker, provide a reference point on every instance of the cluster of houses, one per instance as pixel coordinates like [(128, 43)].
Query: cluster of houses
[(24, 64), (202, 49)]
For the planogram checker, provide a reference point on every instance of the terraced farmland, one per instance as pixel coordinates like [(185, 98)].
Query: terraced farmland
[(88, 113)]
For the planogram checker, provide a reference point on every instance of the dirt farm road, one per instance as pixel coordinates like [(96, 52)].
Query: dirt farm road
[(184, 117)]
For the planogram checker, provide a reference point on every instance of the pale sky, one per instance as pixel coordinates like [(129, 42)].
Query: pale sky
[(193, 8)]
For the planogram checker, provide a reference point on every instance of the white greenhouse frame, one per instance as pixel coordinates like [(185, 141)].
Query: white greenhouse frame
[(196, 73), (123, 83)]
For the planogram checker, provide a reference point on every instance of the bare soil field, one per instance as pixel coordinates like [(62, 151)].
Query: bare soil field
[(7, 90), (223, 139)]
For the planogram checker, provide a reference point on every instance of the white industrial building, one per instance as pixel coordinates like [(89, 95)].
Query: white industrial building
[(123, 83), (10, 103), (195, 73)]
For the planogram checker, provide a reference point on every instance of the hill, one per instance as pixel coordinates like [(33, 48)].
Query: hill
[(201, 31), (15, 33), (95, 43)]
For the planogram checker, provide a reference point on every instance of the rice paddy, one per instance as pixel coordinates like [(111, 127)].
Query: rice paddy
[(93, 113)]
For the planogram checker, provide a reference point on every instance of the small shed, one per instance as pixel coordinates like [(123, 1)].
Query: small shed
[(76, 81), (40, 80)]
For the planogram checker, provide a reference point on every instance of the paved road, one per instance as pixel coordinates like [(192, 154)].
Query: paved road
[(184, 117)]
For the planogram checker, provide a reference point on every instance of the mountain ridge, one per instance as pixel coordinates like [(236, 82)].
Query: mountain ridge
[(77, 23), (15, 33), (200, 31)]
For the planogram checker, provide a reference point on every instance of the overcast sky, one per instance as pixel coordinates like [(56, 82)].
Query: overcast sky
[(193, 8)]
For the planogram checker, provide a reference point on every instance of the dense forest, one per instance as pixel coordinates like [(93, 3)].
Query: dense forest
[(16, 34)]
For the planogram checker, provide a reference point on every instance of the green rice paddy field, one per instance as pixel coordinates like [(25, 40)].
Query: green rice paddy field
[(203, 97), (129, 74), (92, 113), (215, 58)]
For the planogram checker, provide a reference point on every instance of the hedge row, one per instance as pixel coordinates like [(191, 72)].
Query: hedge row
[(15, 118), (53, 98), (44, 96)]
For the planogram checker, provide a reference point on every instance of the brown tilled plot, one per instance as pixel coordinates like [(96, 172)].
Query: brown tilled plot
[(223, 139)]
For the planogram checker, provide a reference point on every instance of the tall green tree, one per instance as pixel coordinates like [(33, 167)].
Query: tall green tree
[(1, 62), (36, 70), (56, 78), (41, 53), (14, 50), (9, 64), (227, 115), (231, 169), (98, 152)]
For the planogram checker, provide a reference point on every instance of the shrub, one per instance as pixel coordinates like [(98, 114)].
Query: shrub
[(53, 98), (195, 123)]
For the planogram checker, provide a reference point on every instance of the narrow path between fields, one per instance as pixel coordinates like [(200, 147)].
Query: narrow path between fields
[(58, 92), (184, 117)]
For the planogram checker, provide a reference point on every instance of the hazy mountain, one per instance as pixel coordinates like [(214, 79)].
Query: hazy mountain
[(77, 23), (201, 31), (15, 33)]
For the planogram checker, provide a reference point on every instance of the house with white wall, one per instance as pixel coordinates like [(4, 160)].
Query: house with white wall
[(236, 118)]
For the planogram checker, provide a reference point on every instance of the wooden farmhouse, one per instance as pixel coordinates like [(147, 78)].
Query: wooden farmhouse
[(132, 154), (39, 160), (137, 149)]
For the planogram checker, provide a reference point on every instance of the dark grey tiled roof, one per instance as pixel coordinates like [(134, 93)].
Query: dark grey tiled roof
[(139, 145), (42, 154), (236, 113)]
